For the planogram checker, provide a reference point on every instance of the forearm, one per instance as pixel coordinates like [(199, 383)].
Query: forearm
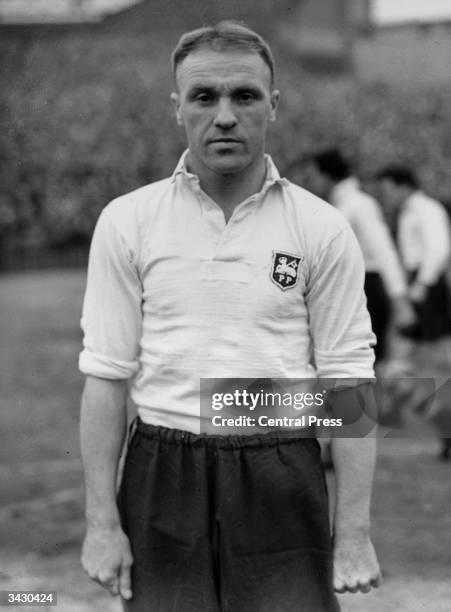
[(354, 461), (102, 431)]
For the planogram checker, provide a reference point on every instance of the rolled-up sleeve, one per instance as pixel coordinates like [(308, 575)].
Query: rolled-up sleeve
[(339, 321), (112, 314)]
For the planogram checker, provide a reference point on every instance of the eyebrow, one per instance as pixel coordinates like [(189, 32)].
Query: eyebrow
[(234, 90), (193, 91)]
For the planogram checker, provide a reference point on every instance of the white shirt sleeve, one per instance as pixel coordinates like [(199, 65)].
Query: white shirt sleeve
[(340, 325), (372, 231), (112, 318)]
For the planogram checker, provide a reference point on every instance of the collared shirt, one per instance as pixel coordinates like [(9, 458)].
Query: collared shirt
[(175, 294), (424, 237), (366, 219)]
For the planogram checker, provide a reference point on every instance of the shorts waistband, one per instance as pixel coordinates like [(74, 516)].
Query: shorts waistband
[(188, 438)]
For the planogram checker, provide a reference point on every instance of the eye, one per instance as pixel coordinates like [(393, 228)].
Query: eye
[(245, 97), (204, 97)]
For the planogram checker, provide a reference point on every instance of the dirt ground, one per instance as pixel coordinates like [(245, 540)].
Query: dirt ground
[(41, 502)]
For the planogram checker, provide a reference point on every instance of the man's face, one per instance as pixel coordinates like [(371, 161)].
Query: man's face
[(315, 181), (391, 194), (224, 101)]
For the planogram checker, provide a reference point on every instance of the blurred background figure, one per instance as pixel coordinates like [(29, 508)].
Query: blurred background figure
[(329, 175), (423, 238)]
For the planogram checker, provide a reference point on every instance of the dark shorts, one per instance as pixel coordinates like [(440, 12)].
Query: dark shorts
[(433, 314), (226, 523), (378, 304)]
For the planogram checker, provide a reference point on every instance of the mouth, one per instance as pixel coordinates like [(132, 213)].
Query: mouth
[(224, 140)]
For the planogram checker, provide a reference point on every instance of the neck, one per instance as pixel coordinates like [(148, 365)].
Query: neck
[(405, 199), (229, 190)]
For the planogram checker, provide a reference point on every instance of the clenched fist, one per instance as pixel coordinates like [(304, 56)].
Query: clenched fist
[(355, 565), (106, 558)]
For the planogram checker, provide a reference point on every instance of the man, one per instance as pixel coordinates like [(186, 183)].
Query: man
[(182, 285), (328, 174), (423, 235), (424, 245)]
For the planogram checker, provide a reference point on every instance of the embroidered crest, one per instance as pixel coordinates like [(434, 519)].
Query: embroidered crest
[(285, 268)]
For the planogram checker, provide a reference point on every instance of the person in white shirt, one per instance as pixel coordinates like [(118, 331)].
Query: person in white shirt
[(423, 236), (224, 270), (328, 174)]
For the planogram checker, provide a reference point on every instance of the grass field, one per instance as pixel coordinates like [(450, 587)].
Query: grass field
[(41, 503)]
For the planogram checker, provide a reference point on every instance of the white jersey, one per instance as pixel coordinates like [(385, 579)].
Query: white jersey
[(424, 237), (174, 294), (366, 219)]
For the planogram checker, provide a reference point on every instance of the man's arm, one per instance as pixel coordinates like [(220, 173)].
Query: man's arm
[(111, 322), (341, 335), (371, 229), (355, 563), (106, 554)]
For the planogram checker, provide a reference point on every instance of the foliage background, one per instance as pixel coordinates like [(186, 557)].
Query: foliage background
[(85, 116)]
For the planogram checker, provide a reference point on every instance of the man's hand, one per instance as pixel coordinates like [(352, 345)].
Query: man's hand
[(418, 292), (403, 313), (106, 557), (355, 565)]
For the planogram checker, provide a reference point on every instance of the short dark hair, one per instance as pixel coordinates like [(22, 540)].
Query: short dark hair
[(332, 163), (399, 175), (223, 36)]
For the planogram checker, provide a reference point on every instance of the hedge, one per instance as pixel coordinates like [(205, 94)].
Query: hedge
[(86, 118)]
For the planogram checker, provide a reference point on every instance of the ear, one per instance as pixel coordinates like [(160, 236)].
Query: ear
[(175, 99), (275, 96)]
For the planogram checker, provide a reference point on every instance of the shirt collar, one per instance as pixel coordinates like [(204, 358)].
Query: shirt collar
[(343, 189), (272, 174)]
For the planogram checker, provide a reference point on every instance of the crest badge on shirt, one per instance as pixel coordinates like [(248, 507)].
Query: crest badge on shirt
[(285, 269)]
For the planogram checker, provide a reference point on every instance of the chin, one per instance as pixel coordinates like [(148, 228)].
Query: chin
[(227, 164), (228, 169)]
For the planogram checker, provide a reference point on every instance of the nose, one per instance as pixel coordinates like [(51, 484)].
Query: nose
[(225, 117)]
